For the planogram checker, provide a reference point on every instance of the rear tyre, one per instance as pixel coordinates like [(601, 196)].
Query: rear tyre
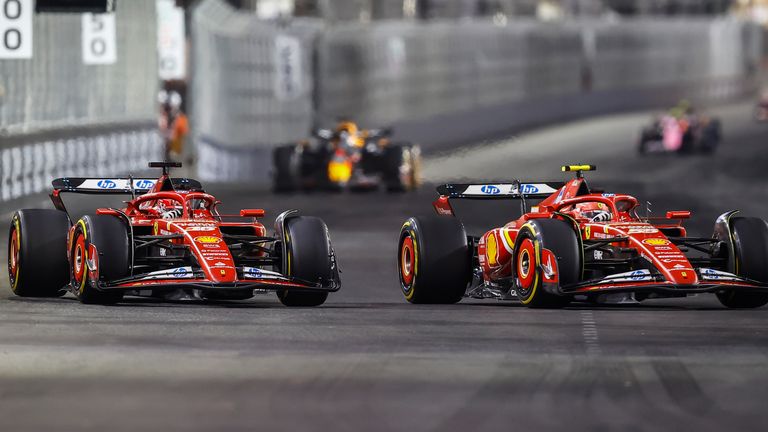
[(750, 244), (560, 238), (309, 259), (401, 167), (37, 253), (285, 178), (434, 260), (102, 242)]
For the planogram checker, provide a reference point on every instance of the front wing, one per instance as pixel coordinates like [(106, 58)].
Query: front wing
[(262, 280), (657, 284)]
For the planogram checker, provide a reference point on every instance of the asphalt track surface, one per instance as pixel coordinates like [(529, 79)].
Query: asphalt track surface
[(367, 360)]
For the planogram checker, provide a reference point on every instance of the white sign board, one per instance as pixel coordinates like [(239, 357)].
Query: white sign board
[(99, 39), (288, 82), (16, 29), (171, 43)]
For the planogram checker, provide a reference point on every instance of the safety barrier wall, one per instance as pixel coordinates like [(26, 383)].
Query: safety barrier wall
[(444, 83), (253, 79), (56, 89), (252, 87), (404, 71), (61, 117), (28, 165)]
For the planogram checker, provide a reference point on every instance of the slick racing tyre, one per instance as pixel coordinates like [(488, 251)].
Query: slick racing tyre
[(434, 260), (401, 166), (100, 251), (750, 245), (310, 258), (37, 253), (285, 175), (559, 237)]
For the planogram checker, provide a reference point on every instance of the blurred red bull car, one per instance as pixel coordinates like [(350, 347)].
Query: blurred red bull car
[(347, 158)]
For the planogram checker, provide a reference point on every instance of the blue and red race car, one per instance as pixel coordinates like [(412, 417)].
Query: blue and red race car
[(578, 244)]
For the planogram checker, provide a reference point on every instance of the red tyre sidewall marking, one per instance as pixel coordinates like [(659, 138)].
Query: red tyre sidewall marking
[(13, 255), (525, 277), (407, 260), (79, 259)]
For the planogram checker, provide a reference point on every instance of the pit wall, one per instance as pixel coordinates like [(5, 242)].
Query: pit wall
[(443, 83)]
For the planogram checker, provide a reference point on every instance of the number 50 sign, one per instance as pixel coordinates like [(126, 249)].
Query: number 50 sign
[(16, 29), (99, 40)]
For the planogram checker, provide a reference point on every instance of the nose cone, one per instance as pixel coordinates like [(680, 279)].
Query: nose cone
[(223, 274), (684, 277)]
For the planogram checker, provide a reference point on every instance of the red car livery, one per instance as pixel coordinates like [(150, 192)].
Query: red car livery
[(168, 239), (578, 244)]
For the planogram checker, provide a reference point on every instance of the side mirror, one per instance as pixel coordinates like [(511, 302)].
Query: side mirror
[(255, 213)]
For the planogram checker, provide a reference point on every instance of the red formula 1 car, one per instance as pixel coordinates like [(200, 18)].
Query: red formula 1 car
[(576, 244), (169, 238)]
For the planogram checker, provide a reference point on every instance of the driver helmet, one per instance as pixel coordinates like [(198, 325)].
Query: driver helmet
[(591, 210), (169, 208)]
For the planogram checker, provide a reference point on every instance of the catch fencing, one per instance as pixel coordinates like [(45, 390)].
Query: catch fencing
[(443, 82), (60, 116), (252, 87), (56, 89)]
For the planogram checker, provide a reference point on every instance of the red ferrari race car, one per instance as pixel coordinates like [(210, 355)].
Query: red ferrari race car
[(169, 238), (577, 244)]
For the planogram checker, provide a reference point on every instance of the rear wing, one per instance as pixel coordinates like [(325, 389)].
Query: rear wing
[(119, 185), (499, 190), (103, 185)]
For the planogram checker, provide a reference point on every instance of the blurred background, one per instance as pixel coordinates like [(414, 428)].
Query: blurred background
[(226, 81)]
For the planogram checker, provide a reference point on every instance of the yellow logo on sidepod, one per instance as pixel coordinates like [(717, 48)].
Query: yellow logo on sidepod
[(208, 239), (656, 241)]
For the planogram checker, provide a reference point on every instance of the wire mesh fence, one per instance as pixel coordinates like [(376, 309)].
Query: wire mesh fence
[(56, 89)]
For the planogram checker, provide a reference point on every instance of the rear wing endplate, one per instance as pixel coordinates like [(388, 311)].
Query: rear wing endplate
[(498, 190)]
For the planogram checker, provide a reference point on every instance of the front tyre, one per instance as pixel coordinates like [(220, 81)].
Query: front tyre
[(37, 253), (561, 239), (100, 251), (434, 260), (309, 258), (750, 245)]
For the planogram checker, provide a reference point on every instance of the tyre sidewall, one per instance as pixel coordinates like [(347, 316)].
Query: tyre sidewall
[(110, 238), (309, 258), (41, 268), (442, 260)]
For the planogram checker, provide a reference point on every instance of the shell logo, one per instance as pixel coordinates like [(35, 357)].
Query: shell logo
[(656, 241), (208, 239), (491, 249)]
